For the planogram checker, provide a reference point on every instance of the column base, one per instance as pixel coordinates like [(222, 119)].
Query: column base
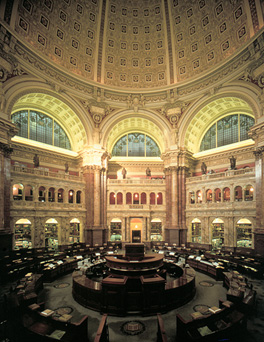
[(96, 235), (259, 241)]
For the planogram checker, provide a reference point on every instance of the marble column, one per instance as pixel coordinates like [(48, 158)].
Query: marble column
[(259, 171), (172, 210), (5, 187), (97, 197)]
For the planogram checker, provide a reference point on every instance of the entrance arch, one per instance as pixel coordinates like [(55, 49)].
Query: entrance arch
[(135, 230), (51, 233), (23, 237), (217, 233)]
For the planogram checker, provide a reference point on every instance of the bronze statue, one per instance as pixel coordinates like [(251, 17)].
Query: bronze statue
[(36, 160), (124, 172), (204, 168), (148, 172), (232, 163)]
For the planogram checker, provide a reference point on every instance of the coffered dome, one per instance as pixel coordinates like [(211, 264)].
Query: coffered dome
[(136, 44)]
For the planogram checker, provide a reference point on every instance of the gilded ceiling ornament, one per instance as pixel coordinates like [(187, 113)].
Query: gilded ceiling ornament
[(261, 81)]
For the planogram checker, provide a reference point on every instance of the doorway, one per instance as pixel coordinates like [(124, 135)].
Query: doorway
[(136, 236), (135, 230)]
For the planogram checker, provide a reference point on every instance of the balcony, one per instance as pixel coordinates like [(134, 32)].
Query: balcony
[(136, 181), (250, 171), (44, 172)]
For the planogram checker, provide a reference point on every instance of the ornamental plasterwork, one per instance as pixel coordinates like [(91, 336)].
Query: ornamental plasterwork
[(97, 111), (80, 86)]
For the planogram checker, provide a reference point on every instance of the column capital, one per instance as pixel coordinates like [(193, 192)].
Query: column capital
[(91, 168), (256, 132), (258, 152), (94, 156)]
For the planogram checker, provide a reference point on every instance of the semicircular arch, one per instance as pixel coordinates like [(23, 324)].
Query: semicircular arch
[(129, 122), (201, 116), (65, 110)]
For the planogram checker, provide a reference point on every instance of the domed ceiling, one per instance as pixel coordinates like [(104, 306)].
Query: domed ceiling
[(136, 44)]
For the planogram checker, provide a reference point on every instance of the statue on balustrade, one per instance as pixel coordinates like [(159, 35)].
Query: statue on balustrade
[(66, 167), (204, 168), (124, 172), (36, 160), (232, 163), (148, 172)]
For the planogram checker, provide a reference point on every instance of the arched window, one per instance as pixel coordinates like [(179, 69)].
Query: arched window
[(116, 230), (17, 192), (119, 198), (228, 130), (226, 194), (136, 145), (156, 230), (41, 196), (249, 190), (70, 196), (143, 198), (191, 197), (159, 198), (78, 197), (40, 127), (244, 233), (136, 198), (152, 199), (217, 195), (209, 195), (23, 234), (112, 198), (60, 195), (238, 193), (217, 233), (28, 193), (51, 233), (51, 195), (199, 197), (128, 198), (74, 236), (196, 231)]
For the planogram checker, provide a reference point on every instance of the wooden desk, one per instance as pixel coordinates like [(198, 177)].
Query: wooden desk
[(222, 324), (40, 328)]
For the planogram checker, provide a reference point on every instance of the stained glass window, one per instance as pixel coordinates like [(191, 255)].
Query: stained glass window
[(246, 122), (209, 139), (228, 130), (136, 145), (40, 127), (21, 121)]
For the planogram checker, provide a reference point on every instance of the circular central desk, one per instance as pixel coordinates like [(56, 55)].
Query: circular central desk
[(135, 287)]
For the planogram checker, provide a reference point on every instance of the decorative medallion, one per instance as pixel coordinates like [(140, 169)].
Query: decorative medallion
[(133, 328)]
